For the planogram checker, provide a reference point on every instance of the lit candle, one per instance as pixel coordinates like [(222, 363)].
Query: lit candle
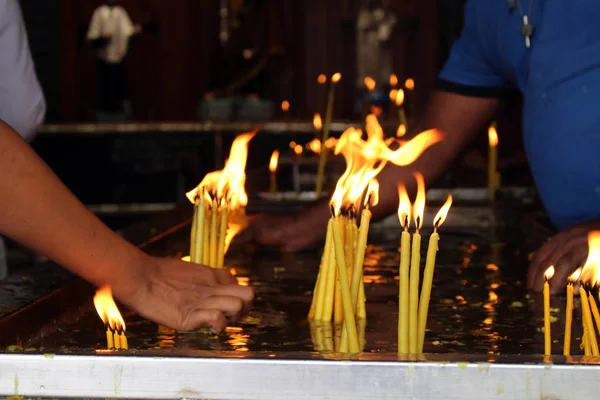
[(569, 313), (587, 322), (273, 169), (370, 83), (224, 215), (393, 80), (326, 127), (296, 167), (320, 293), (214, 231), (200, 228), (432, 250), (109, 338), (493, 176), (415, 264), (321, 91), (285, 107), (547, 336), (403, 311), (409, 85), (595, 313)]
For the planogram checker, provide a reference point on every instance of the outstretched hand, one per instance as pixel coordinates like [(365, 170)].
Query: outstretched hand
[(566, 251), (185, 296)]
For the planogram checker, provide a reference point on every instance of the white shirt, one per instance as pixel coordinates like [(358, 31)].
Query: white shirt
[(113, 23), (22, 104)]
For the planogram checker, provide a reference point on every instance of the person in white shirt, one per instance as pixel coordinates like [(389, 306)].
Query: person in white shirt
[(109, 33), (22, 103)]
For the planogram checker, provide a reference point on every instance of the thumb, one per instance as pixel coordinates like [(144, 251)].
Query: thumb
[(210, 318)]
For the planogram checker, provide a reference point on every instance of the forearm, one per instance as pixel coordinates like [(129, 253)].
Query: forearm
[(37, 210)]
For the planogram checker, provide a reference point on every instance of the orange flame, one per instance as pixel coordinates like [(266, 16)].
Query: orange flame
[(493, 136), (336, 77), (575, 275), (330, 143), (274, 161), (314, 146), (298, 149), (399, 97), (401, 130), (322, 79), (419, 206), (409, 84), (373, 128), (107, 309), (590, 273), (404, 206), (372, 198), (393, 94), (413, 149), (317, 123), (549, 273), (393, 80), (370, 83), (443, 213), (285, 106)]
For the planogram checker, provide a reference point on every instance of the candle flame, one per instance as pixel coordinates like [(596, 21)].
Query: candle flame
[(322, 79), (107, 309), (404, 206), (399, 97), (292, 145), (393, 80), (336, 77), (314, 146), (274, 161), (285, 106), (330, 143), (412, 150), (317, 122), (419, 205), (393, 94), (372, 198), (373, 128), (575, 275), (401, 131), (590, 273), (493, 136), (298, 149), (186, 258), (549, 273), (370, 83), (441, 216), (409, 84)]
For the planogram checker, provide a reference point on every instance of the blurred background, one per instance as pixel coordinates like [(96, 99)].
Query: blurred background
[(198, 72)]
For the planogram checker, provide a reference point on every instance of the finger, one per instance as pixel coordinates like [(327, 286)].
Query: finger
[(214, 319), (245, 293), (224, 277), (229, 305)]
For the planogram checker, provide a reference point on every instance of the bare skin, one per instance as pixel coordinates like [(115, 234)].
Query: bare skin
[(37, 210)]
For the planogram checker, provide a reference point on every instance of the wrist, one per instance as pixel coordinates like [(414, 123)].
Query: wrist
[(134, 276)]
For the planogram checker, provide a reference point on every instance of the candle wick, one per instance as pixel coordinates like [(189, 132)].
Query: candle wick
[(332, 209)]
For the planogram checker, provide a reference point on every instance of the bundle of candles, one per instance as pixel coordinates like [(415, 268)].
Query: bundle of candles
[(219, 207), (413, 311), (339, 290), (110, 315), (588, 278)]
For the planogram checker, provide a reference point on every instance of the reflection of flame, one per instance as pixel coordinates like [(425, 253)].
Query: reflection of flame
[(317, 123), (443, 213), (107, 310), (322, 79), (401, 130), (274, 160), (591, 270), (393, 80), (493, 136), (549, 273), (372, 197), (404, 207), (419, 206), (399, 97), (409, 84), (370, 83), (285, 106), (336, 77)]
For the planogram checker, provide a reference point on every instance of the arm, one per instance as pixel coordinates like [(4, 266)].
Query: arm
[(22, 103), (37, 210)]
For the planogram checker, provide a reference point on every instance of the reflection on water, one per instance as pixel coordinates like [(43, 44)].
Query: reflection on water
[(478, 303)]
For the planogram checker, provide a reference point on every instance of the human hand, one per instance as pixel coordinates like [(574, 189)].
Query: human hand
[(185, 296), (291, 233), (567, 251)]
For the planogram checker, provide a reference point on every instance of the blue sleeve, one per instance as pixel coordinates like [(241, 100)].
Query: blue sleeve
[(469, 69)]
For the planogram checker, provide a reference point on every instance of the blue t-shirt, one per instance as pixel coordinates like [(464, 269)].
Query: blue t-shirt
[(559, 77)]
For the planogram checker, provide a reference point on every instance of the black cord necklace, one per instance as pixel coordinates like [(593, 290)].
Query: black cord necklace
[(527, 29)]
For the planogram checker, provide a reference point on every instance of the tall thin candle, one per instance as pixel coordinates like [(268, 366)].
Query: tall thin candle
[(547, 335), (404, 299), (326, 127)]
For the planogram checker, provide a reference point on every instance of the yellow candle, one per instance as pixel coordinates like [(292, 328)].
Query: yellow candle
[(568, 320), (596, 315), (328, 115), (193, 233), (361, 309), (359, 257), (206, 247), (403, 321), (123, 339), (117, 340), (313, 304), (349, 247), (414, 293), (426, 289), (214, 231), (273, 169), (338, 245), (222, 234), (200, 231), (330, 283), (493, 176), (109, 339), (588, 323), (321, 287), (547, 335)]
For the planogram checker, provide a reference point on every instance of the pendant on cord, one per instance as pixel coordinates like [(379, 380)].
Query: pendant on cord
[(527, 31)]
